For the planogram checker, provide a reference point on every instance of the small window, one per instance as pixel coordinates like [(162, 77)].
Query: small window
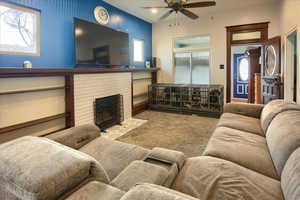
[(246, 36), (192, 42), (244, 69), (138, 51), (19, 30)]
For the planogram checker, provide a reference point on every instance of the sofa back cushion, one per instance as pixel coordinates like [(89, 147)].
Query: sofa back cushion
[(274, 108), (35, 168), (76, 137), (283, 137), (290, 178)]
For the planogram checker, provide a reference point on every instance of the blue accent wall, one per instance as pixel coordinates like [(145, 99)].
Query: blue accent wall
[(57, 31)]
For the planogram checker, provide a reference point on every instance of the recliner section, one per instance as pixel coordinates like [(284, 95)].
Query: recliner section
[(244, 148), (241, 164), (33, 168), (114, 156), (210, 178)]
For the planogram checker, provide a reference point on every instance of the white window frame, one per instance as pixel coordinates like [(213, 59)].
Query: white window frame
[(143, 51), (38, 19), (194, 48)]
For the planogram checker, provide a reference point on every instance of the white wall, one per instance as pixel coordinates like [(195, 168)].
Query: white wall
[(289, 20), (25, 107), (163, 36)]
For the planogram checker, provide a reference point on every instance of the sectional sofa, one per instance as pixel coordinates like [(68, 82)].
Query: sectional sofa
[(253, 154)]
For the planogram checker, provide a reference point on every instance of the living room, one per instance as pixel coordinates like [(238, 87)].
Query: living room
[(152, 99)]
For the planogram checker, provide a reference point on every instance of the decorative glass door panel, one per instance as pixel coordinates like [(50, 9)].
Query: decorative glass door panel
[(200, 67), (192, 67), (183, 68), (240, 76)]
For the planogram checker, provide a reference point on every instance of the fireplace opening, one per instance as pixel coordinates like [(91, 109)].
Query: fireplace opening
[(108, 111)]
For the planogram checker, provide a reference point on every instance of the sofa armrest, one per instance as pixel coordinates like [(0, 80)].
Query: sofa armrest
[(168, 155), (35, 168), (154, 192), (76, 137), (250, 110)]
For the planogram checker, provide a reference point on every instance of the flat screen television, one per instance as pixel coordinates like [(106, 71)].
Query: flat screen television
[(99, 45)]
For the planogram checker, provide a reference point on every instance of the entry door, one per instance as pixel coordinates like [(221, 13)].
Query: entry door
[(240, 76), (271, 77)]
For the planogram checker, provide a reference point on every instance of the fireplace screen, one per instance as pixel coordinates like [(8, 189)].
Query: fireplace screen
[(108, 111)]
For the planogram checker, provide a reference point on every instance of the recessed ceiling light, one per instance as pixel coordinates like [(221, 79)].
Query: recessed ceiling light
[(78, 31), (154, 10)]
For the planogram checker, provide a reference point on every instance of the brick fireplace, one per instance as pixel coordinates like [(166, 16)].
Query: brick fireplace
[(90, 87), (108, 111)]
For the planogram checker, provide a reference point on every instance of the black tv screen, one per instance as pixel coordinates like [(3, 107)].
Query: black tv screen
[(100, 45)]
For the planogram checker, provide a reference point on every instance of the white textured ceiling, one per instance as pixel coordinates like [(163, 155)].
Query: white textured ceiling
[(134, 6)]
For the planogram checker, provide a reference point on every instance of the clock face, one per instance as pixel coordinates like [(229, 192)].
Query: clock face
[(101, 15)]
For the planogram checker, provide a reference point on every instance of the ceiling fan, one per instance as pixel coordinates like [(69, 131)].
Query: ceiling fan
[(181, 6)]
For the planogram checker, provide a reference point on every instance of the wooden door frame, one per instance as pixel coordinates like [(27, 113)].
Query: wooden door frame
[(286, 62), (245, 28), (254, 54)]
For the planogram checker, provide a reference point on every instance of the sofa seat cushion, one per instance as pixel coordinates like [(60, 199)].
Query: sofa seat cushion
[(209, 178), (241, 122), (283, 137), (243, 148), (96, 191), (140, 172), (114, 156)]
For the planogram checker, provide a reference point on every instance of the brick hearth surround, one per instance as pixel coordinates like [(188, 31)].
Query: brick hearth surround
[(88, 87)]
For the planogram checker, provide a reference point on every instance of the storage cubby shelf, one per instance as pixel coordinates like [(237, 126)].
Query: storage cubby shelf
[(31, 90), (198, 99)]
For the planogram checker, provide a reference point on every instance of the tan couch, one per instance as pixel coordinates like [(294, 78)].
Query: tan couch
[(252, 155)]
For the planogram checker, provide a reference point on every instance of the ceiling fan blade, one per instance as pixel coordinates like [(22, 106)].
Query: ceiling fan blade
[(199, 4), (166, 1), (155, 7), (188, 14), (166, 15)]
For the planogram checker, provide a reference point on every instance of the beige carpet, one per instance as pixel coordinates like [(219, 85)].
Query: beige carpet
[(186, 133)]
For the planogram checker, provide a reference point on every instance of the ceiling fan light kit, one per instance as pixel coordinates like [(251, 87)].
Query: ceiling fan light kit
[(182, 6)]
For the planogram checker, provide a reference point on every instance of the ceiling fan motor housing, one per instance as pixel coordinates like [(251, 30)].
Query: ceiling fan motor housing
[(172, 2)]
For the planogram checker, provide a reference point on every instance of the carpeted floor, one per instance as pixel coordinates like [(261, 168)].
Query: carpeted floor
[(186, 133)]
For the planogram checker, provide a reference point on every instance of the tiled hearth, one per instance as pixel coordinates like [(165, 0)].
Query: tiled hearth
[(117, 131)]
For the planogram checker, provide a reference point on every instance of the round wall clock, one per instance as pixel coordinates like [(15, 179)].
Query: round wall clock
[(101, 15)]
